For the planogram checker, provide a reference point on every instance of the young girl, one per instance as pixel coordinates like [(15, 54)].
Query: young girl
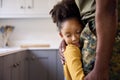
[(66, 15)]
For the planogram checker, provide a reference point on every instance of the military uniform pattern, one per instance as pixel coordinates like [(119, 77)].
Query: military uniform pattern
[(88, 39)]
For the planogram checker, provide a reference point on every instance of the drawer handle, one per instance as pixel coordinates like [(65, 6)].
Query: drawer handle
[(33, 58), (29, 7), (22, 7), (14, 65)]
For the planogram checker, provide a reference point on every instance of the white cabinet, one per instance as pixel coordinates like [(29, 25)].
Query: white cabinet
[(0, 3), (11, 7), (25, 8)]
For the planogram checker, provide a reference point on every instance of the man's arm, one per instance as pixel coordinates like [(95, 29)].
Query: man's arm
[(106, 20), (105, 28)]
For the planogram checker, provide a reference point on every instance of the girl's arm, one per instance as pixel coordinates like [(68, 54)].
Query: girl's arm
[(73, 63)]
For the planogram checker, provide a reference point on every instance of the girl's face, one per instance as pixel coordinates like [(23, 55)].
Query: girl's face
[(70, 31)]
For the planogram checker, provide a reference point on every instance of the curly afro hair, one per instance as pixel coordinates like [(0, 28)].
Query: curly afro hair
[(64, 10)]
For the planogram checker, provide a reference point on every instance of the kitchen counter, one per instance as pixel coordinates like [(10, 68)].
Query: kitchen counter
[(6, 51), (37, 48)]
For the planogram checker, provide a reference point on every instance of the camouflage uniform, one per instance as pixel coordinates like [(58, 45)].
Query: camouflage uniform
[(88, 39)]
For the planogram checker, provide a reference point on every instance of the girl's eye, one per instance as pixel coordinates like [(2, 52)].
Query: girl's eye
[(78, 32), (68, 35)]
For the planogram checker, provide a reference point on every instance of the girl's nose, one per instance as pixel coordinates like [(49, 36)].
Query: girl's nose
[(74, 38)]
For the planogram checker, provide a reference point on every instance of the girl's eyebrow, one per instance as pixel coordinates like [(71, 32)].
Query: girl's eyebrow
[(67, 32)]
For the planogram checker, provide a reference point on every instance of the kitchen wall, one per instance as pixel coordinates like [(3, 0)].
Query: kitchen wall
[(34, 30), (30, 31)]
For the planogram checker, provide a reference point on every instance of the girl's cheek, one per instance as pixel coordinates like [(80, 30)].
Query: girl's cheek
[(68, 41)]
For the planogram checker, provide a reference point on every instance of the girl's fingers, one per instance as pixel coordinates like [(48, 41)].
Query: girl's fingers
[(61, 51)]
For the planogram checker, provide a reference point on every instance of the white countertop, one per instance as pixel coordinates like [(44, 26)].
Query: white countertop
[(6, 51)]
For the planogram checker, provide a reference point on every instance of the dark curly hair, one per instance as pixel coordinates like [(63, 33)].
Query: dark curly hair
[(64, 10)]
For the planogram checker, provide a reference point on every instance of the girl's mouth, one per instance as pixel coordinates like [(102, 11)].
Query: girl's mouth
[(77, 44)]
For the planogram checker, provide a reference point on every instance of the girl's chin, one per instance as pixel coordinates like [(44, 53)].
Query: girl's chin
[(78, 45)]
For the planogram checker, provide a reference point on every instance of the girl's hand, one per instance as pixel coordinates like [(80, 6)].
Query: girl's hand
[(61, 50)]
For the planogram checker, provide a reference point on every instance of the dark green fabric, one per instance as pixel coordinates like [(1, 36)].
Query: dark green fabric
[(88, 39), (86, 8)]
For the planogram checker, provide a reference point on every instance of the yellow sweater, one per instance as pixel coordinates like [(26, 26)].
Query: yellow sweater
[(73, 66)]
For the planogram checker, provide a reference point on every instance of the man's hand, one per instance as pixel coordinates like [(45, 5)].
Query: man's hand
[(95, 75), (61, 50)]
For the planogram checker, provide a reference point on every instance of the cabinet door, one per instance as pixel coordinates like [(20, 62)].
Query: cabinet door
[(42, 65), (24, 65), (11, 69), (8, 67), (21, 69), (60, 74), (12, 8), (15, 66), (1, 68), (26, 8), (0, 4), (17, 70), (39, 8)]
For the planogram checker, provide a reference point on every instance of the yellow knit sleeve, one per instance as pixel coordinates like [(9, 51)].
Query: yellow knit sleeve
[(73, 65)]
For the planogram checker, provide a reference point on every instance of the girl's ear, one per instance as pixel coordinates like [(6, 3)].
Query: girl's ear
[(60, 34)]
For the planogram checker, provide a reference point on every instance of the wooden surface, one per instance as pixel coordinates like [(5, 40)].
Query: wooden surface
[(34, 45)]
